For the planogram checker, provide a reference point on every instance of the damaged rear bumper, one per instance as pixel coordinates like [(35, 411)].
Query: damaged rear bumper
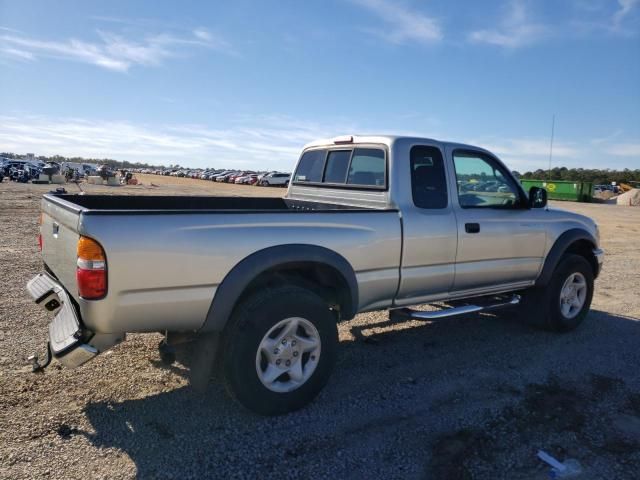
[(69, 342)]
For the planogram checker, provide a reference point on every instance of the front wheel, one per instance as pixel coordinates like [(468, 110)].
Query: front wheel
[(279, 349), (563, 304)]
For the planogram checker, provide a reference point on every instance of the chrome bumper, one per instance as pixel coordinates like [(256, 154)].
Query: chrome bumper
[(66, 334)]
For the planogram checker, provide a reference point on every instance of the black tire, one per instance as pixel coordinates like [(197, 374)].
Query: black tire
[(249, 324), (540, 307), (167, 353)]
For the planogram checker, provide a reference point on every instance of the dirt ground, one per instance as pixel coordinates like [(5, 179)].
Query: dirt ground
[(469, 397)]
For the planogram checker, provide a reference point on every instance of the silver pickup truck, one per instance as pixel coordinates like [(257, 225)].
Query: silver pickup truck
[(368, 223)]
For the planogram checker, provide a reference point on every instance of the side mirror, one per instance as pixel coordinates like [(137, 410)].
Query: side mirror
[(537, 197)]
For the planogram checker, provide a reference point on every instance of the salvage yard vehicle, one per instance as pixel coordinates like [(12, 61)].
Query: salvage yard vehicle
[(275, 179), (368, 223)]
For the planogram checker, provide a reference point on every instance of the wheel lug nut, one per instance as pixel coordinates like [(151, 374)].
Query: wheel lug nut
[(288, 363), (284, 341), (293, 343), (278, 362), (276, 351), (295, 354)]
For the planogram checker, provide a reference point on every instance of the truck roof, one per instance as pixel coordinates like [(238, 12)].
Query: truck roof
[(383, 139)]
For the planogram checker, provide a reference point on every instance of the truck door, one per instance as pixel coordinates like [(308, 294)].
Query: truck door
[(499, 241), (429, 227)]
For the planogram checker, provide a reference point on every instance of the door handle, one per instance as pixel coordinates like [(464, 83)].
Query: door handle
[(56, 229), (472, 227)]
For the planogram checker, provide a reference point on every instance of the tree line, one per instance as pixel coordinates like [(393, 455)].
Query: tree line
[(595, 175)]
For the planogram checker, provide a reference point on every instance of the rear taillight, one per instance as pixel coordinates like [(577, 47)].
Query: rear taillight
[(91, 274), (40, 232)]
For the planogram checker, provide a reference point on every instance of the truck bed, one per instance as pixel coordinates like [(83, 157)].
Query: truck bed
[(166, 255), (143, 204)]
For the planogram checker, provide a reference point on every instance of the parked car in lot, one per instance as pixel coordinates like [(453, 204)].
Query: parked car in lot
[(368, 223), (243, 177), (251, 179), (275, 179), (227, 178)]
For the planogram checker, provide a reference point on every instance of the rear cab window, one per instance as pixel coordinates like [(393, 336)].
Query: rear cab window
[(428, 178), (351, 167), (310, 167)]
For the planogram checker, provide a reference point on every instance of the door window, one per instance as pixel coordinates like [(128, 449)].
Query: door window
[(483, 183)]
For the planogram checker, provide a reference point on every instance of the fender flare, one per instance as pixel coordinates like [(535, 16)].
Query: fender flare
[(238, 279), (562, 243)]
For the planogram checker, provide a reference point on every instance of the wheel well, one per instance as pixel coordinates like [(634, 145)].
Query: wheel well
[(584, 248), (320, 278)]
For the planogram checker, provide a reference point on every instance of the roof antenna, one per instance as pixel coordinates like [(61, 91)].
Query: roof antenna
[(553, 125)]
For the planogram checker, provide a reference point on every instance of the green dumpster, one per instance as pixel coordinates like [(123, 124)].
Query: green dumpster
[(562, 189)]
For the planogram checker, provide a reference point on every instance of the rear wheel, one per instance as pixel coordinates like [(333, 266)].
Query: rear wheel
[(564, 303), (279, 349)]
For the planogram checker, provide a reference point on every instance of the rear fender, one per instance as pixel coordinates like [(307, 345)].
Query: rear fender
[(244, 273)]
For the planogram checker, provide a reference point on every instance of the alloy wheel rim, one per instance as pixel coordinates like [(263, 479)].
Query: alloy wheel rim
[(288, 354), (573, 295)]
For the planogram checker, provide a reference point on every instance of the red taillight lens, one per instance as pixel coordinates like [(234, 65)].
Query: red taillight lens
[(91, 274), (92, 284), (40, 220)]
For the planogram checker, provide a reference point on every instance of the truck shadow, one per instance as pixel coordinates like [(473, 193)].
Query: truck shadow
[(393, 380)]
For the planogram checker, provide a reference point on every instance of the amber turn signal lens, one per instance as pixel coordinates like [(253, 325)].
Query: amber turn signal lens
[(89, 249)]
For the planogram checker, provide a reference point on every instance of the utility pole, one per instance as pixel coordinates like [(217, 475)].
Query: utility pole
[(553, 125)]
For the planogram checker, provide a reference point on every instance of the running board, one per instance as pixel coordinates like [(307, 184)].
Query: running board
[(404, 314)]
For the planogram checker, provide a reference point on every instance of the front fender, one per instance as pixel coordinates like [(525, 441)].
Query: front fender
[(561, 245)]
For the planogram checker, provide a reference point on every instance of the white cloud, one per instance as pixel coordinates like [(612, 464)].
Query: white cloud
[(16, 53), (626, 6), (626, 150), (202, 34), (266, 142), (533, 153), (248, 142), (601, 17), (527, 147), (516, 29), (403, 24), (113, 52)]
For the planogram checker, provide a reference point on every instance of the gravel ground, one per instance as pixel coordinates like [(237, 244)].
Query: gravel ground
[(470, 397)]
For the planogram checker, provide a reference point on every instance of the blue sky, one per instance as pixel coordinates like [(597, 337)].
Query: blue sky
[(246, 84)]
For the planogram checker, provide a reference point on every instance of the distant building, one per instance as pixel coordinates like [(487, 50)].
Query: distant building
[(30, 157)]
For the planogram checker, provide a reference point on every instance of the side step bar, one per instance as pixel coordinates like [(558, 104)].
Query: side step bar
[(404, 314)]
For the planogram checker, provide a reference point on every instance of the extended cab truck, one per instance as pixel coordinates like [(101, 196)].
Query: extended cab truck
[(368, 223)]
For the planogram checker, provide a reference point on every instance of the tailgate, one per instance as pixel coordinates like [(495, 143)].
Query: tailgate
[(59, 230)]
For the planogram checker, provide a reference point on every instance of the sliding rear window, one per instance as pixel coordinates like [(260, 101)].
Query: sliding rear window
[(310, 167), (345, 168)]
